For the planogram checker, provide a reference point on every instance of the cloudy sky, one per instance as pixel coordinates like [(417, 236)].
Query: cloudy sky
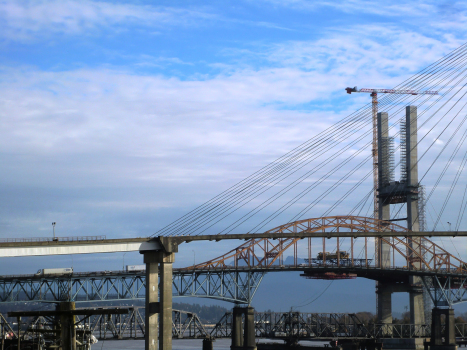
[(120, 116)]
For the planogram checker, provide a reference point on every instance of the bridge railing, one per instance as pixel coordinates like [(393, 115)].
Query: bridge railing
[(325, 326), (460, 330), (53, 239), (411, 330), (399, 330)]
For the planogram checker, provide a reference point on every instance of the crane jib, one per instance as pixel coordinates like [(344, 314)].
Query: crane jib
[(394, 91)]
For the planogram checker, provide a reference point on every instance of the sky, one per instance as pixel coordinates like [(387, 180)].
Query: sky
[(118, 117)]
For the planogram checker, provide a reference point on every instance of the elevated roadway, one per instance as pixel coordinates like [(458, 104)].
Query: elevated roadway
[(170, 244), (85, 246)]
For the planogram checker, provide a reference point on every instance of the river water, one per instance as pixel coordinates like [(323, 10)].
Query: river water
[(177, 344)]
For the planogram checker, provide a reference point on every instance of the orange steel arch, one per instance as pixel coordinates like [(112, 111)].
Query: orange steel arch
[(264, 252)]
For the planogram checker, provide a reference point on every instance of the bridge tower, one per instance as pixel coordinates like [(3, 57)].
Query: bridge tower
[(396, 192)]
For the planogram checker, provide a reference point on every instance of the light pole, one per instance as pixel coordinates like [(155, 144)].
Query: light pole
[(53, 228), (194, 257), (123, 261), (449, 226)]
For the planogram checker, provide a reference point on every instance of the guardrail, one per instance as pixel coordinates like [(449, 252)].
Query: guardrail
[(53, 239), (399, 330)]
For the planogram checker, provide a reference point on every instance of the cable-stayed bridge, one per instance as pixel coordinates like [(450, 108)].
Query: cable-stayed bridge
[(327, 178)]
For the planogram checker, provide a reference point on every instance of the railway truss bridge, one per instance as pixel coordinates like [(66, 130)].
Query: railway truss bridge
[(287, 326)]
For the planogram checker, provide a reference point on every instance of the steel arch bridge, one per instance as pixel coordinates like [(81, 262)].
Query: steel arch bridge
[(236, 275)]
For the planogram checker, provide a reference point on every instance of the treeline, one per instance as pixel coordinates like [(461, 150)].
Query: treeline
[(368, 317), (207, 314)]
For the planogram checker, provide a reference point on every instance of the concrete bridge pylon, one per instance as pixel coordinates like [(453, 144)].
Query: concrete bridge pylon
[(397, 192)]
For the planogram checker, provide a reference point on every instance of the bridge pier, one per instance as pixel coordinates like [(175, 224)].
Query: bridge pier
[(417, 303), (383, 250), (243, 340), (67, 326), (397, 192), (384, 303), (237, 334), (442, 340), (158, 261)]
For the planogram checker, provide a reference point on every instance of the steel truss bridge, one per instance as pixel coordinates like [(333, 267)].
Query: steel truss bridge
[(278, 325), (236, 275), (325, 326), (114, 325)]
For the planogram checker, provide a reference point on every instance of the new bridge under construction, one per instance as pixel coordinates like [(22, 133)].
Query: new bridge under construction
[(390, 244)]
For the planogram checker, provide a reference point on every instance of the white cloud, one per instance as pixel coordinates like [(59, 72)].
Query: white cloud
[(198, 123), (29, 19), (391, 9)]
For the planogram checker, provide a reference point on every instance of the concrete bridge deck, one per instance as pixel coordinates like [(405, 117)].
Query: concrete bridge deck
[(18, 248)]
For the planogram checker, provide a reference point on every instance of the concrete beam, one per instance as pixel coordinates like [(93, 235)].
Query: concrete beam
[(91, 247)]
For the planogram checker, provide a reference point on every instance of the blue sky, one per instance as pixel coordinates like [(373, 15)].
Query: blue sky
[(120, 116)]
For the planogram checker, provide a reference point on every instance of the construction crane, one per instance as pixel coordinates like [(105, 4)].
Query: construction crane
[(374, 100)]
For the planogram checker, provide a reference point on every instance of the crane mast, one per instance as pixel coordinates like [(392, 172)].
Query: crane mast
[(374, 150)]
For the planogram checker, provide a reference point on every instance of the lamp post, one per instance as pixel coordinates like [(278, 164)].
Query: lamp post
[(123, 261), (53, 228), (449, 226), (194, 257)]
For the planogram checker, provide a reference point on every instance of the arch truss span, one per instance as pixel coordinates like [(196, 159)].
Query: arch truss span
[(444, 275), (337, 252)]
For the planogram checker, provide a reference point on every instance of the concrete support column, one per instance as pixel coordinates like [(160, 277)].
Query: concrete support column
[(412, 167), (384, 292), (207, 344), (152, 300), (450, 336), (417, 304), (158, 262), (249, 331), (436, 333), (237, 334), (383, 180), (67, 326), (384, 304), (165, 303)]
